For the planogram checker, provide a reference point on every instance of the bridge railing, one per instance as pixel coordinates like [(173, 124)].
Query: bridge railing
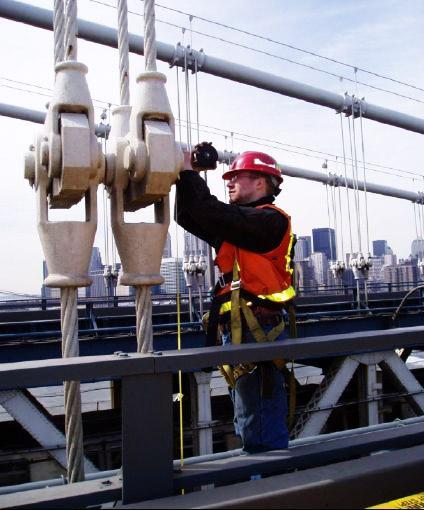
[(146, 379)]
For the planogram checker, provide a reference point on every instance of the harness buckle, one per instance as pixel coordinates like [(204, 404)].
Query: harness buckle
[(235, 285)]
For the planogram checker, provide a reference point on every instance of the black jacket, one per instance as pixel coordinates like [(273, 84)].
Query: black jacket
[(203, 215)]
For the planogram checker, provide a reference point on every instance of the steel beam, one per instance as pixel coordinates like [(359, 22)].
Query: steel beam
[(43, 18), (17, 112), (147, 437), (356, 483), (27, 412), (54, 371)]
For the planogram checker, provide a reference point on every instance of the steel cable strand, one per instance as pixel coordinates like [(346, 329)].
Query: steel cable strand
[(71, 30), (72, 394), (143, 311), (149, 36), (58, 31), (346, 185), (123, 46)]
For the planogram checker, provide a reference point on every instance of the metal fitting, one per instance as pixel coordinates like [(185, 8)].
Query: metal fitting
[(187, 56)]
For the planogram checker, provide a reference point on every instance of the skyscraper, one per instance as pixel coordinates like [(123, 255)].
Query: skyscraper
[(194, 246), (167, 252), (417, 248), (319, 264), (171, 269), (324, 240), (302, 248), (379, 248)]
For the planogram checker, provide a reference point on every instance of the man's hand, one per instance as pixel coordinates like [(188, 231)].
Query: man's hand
[(187, 160)]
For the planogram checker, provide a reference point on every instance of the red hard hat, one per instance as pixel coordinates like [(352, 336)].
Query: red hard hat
[(255, 162)]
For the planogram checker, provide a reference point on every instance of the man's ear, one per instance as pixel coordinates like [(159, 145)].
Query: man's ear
[(261, 183)]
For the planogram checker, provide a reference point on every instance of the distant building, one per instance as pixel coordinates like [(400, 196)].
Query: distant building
[(304, 275), (390, 260), (379, 248), (167, 251), (417, 248), (194, 246), (324, 241), (171, 269), (302, 248), (319, 264), (376, 275)]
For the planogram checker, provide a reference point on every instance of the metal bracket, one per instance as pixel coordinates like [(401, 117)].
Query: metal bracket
[(352, 105), (188, 56)]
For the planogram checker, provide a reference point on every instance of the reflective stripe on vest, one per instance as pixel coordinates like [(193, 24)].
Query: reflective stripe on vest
[(278, 297)]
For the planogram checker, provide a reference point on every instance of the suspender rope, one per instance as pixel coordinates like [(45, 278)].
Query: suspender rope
[(72, 393), (68, 300), (346, 186), (143, 298), (123, 47), (71, 30), (58, 31)]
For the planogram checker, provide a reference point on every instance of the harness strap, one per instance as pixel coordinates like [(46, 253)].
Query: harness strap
[(236, 325)]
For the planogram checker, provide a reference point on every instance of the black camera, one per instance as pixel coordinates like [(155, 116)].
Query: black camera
[(204, 156)]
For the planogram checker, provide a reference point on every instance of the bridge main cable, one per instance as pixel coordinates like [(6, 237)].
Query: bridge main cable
[(93, 32)]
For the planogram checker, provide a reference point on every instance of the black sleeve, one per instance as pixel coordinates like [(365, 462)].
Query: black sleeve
[(202, 214)]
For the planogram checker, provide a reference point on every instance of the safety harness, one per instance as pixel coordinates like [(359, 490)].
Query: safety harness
[(241, 308)]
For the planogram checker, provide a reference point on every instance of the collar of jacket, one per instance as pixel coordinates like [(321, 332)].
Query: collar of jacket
[(269, 199)]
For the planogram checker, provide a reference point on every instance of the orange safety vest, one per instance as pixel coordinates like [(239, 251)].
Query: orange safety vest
[(268, 276)]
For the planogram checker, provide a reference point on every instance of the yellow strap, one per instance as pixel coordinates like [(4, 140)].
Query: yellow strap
[(255, 327), (228, 374), (235, 306)]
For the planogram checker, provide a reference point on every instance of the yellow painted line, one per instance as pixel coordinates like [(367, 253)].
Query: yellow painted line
[(414, 501)]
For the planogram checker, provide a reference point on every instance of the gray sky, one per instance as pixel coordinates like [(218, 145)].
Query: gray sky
[(381, 36)]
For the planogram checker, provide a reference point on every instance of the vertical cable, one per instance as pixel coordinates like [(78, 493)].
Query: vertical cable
[(58, 31), (346, 185), (365, 178), (354, 160), (123, 48), (71, 25), (149, 36), (329, 223)]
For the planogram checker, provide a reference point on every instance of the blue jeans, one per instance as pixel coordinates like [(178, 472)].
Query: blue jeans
[(260, 416)]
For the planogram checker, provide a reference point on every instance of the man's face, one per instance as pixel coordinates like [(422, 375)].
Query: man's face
[(243, 188)]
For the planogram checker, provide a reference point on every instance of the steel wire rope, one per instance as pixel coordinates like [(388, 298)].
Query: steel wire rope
[(177, 286), (346, 185), (58, 31), (71, 27), (354, 167), (336, 229), (421, 218), (329, 222), (363, 163), (123, 50), (280, 43), (341, 222), (143, 297), (416, 226), (69, 315)]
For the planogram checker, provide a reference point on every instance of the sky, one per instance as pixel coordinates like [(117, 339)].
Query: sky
[(382, 36)]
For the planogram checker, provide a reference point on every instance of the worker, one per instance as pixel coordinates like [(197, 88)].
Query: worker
[(254, 243)]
